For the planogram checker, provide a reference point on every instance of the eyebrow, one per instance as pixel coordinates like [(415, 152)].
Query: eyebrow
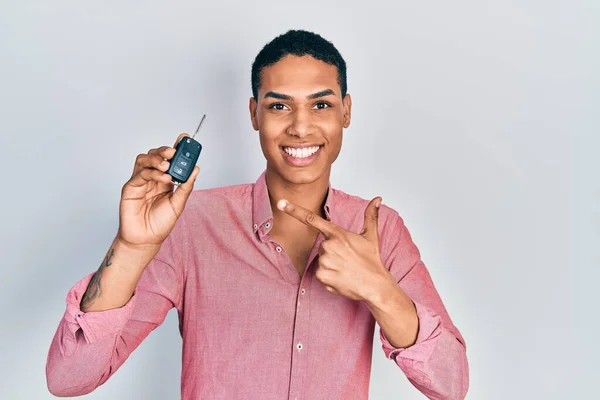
[(282, 96)]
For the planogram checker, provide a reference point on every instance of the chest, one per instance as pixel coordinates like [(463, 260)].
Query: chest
[(298, 248)]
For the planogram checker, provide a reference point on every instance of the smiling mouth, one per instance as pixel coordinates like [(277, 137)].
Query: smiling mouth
[(301, 152)]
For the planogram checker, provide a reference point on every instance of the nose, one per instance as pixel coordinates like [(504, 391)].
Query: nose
[(301, 124)]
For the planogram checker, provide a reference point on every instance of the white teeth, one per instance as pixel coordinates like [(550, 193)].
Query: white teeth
[(301, 153)]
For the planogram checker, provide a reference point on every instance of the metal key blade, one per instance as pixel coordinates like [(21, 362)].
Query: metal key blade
[(199, 125)]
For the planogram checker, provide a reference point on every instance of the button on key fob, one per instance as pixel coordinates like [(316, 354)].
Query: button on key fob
[(185, 158)]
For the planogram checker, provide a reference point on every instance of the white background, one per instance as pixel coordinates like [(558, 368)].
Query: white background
[(476, 120)]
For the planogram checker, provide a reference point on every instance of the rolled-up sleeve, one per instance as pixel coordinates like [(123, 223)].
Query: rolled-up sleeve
[(94, 325), (436, 364), (89, 347)]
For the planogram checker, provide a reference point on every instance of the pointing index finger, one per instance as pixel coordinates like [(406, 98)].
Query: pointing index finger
[(309, 218)]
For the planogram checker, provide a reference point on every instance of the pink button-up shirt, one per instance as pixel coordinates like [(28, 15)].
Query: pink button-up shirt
[(252, 328)]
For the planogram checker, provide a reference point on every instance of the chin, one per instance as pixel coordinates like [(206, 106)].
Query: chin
[(300, 176)]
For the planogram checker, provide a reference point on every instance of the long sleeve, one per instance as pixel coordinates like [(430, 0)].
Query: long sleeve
[(437, 363), (89, 347)]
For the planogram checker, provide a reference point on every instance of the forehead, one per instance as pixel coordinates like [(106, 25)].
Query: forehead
[(299, 75)]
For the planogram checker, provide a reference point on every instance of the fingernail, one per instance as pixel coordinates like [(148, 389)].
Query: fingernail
[(281, 204), (378, 203)]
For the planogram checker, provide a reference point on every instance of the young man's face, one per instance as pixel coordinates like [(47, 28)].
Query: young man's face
[(300, 116)]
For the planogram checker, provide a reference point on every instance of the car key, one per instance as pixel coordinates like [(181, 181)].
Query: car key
[(185, 158)]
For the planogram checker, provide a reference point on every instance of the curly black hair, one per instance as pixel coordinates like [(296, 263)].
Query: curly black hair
[(299, 43)]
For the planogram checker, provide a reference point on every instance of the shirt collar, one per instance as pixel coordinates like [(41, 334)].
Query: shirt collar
[(262, 214)]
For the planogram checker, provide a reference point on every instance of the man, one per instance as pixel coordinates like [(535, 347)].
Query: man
[(278, 284)]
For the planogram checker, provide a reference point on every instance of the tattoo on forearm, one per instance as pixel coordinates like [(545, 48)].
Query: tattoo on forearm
[(93, 289)]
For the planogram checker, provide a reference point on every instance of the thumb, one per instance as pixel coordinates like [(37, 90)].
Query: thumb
[(370, 228), (183, 191)]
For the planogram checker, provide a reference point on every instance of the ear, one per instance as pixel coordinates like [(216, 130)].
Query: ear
[(347, 105), (253, 108)]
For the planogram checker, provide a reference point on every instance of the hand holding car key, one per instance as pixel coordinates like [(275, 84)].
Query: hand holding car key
[(150, 204)]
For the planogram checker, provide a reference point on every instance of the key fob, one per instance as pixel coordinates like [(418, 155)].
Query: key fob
[(185, 158)]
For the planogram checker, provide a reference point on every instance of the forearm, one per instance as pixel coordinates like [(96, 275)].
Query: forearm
[(88, 347), (395, 313), (434, 360), (115, 280)]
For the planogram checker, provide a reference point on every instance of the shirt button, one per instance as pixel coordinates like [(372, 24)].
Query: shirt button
[(278, 248), (303, 291), (268, 225), (255, 226), (299, 346)]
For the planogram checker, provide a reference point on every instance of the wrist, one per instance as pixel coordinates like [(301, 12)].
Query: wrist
[(386, 297), (381, 292), (135, 248), (133, 257)]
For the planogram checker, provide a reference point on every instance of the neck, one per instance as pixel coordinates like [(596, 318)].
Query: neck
[(308, 195)]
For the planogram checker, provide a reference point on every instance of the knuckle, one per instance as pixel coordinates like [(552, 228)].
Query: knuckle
[(320, 274), (157, 159), (163, 149), (337, 242), (311, 217), (167, 153)]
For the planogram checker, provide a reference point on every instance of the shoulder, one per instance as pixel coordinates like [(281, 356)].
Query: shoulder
[(230, 193), (214, 201), (352, 205), (350, 213)]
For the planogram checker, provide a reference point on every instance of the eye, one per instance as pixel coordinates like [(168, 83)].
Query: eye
[(277, 106), (322, 105)]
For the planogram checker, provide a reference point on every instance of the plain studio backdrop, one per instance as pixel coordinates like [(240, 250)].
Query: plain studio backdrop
[(474, 119)]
